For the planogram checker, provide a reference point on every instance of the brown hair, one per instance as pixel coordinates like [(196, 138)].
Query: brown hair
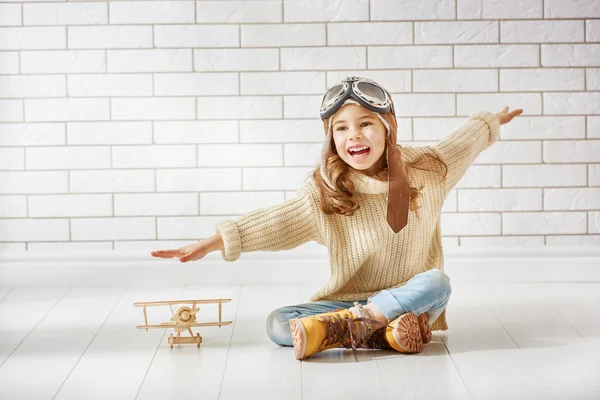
[(345, 200)]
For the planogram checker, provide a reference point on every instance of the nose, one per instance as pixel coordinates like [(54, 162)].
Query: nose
[(355, 134)]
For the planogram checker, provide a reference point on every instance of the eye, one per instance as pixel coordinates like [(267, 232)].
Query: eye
[(365, 123), (340, 128)]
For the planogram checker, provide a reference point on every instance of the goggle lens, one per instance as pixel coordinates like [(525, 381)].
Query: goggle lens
[(368, 93), (333, 92), (371, 90)]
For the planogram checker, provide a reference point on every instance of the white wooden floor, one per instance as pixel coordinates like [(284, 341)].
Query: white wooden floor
[(506, 341)]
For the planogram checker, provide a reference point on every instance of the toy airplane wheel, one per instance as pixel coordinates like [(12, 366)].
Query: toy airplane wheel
[(198, 339), (171, 340)]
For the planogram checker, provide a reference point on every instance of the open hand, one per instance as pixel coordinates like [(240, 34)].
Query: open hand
[(191, 252), (505, 117)]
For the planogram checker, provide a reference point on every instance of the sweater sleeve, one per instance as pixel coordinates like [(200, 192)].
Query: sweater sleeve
[(281, 227), (461, 147)]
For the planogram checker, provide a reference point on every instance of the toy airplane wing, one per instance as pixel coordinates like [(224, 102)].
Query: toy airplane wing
[(184, 317)]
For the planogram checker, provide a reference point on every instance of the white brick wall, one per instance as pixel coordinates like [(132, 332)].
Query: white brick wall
[(129, 124)]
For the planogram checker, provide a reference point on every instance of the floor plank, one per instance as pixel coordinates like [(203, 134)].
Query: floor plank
[(188, 372), (256, 367), (20, 312), (42, 362), (430, 374), (487, 358), (584, 319), (5, 291), (115, 363), (562, 358), (335, 374), (517, 341)]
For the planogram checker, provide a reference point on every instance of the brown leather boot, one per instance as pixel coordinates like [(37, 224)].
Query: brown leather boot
[(406, 334), (339, 328)]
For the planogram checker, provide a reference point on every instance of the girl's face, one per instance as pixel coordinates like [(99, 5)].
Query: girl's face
[(359, 138)]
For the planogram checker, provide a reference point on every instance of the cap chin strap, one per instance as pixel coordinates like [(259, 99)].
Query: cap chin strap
[(328, 140)]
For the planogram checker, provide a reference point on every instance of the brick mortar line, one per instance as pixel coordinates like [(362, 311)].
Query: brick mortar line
[(271, 191), (293, 71), (310, 47), (192, 96), (284, 23)]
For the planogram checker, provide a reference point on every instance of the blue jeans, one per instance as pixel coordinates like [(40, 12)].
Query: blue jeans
[(428, 292)]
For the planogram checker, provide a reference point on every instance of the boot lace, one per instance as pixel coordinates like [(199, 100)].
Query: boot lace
[(377, 341), (340, 329)]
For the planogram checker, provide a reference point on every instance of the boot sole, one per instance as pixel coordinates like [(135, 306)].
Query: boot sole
[(407, 334), (424, 327), (298, 338)]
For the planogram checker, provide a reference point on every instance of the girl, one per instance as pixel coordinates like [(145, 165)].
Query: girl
[(376, 206)]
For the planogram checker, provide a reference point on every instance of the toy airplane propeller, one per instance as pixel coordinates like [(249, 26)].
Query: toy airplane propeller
[(183, 319)]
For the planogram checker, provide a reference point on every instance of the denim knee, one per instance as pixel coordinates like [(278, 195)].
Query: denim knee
[(278, 326), (439, 282)]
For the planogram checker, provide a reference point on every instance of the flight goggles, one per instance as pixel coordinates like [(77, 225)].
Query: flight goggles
[(367, 93)]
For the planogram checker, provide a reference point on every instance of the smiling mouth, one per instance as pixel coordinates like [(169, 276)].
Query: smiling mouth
[(361, 153)]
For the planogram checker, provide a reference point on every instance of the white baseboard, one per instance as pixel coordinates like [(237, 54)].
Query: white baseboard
[(27, 269)]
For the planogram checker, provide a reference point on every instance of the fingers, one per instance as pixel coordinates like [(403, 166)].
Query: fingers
[(183, 256), (165, 253), (513, 113)]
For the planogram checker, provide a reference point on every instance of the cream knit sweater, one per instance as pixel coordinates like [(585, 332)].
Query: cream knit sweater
[(365, 255)]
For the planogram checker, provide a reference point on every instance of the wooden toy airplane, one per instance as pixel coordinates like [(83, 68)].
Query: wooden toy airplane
[(183, 319)]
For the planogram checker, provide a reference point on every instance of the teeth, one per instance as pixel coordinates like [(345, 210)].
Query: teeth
[(358, 148)]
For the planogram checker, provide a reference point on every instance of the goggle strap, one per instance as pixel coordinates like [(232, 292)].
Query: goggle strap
[(385, 123)]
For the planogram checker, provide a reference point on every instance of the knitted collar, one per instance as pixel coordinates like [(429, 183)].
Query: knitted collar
[(366, 184)]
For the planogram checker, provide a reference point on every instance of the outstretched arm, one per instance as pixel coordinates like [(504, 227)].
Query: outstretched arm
[(281, 227), (461, 147)]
